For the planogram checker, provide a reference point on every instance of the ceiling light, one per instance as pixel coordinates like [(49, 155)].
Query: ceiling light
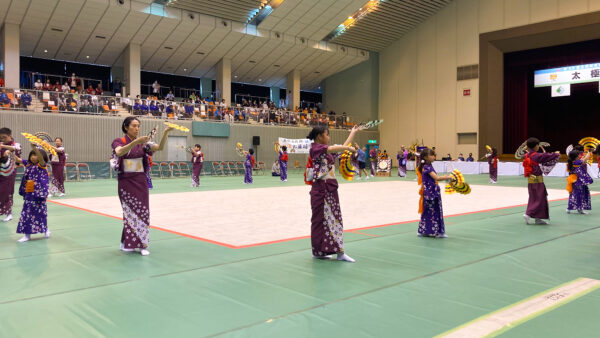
[(87, 56), (235, 76), (185, 69), (45, 51)]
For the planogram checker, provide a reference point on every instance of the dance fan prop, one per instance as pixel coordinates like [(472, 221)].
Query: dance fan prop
[(177, 127), (488, 148), (457, 184), (370, 124), (7, 165), (39, 142), (347, 169), (523, 149), (239, 149), (590, 144)]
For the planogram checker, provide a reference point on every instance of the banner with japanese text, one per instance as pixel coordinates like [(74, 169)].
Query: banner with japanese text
[(296, 146), (567, 75)]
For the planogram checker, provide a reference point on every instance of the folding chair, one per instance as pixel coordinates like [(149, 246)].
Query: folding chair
[(217, 169), (155, 171), (226, 170), (165, 170), (184, 168), (240, 167), (73, 173), (232, 168), (175, 169), (84, 171), (261, 167)]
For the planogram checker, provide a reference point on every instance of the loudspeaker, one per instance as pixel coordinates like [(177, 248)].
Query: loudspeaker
[(255, 140)]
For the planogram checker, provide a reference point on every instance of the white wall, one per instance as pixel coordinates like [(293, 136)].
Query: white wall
[(354, 90), (419, 97)]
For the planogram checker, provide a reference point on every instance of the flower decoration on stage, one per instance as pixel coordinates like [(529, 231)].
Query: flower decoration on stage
[(177, 127), (39, 142), (457, 184), (347, 169)]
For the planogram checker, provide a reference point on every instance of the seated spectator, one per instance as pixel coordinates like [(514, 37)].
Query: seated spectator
[(137, 108), (170, 96), (470, 158), (57, 87), (144, 108), (447, 158), (65, 88), (154, 110), (99, 90), (48, 86), (193, 97), (25, 100), (71, 103), (275, 170), (170, 111), (38, 85), (189, 110), (4, 97), (90, 90), (461, 157)]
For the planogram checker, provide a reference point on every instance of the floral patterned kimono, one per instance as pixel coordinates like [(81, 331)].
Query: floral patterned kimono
[(432, 215), (134, 193), (34, 189), (327, 229), (579, 192)]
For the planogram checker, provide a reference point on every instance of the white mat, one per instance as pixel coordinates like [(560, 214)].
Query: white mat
[(246, 217)]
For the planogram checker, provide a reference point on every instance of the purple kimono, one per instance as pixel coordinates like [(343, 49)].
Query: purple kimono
[(537, 206), (7, 184), (283, 166), (197, 162), (580, 198), (373, 160), (58, 175), (493, 164), (432, 218), (248, 169), (327, 228), (134, 194), (402, 159), (34, 216)]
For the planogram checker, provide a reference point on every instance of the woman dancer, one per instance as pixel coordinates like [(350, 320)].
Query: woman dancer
[(131, 153), (327, 229), (57, 187)]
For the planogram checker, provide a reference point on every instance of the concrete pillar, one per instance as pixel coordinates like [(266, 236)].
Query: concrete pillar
[(293, 89), (224, 80), (132, 70), (10, 55)]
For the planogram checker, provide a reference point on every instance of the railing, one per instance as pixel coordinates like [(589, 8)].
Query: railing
[(29, 78), (73, 103)]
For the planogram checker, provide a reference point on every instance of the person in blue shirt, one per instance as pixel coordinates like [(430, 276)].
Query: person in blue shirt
[(137, 108), (144, 108), (189, 110), (217, 114), (470, 158), (170, 109), (25, 100), (154, 111), (362, 158), (4, 98)]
